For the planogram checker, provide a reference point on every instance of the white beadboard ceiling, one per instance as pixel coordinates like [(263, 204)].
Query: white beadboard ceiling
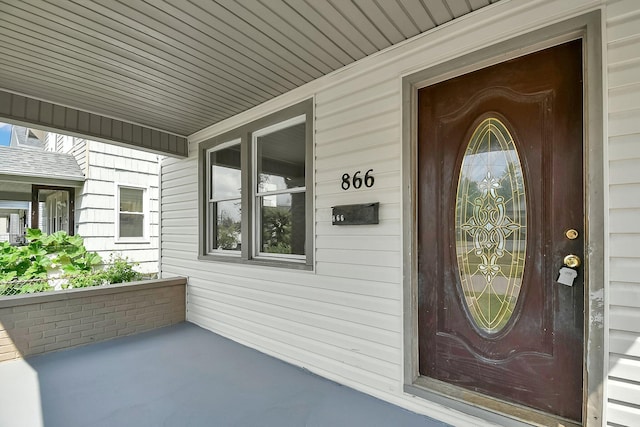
[(182, 65)]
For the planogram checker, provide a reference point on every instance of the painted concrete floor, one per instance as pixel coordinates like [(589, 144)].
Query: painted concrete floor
[(182, 375)]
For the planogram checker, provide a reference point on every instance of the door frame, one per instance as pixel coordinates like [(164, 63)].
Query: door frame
[(587, 27), (35, 207)]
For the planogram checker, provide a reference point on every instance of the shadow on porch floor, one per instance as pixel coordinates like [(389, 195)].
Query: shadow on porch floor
[(181, 375)]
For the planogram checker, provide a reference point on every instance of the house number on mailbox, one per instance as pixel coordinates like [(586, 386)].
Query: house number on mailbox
[(357, 180)]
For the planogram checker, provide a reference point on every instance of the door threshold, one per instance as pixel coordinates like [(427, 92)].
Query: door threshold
[(482, 406)]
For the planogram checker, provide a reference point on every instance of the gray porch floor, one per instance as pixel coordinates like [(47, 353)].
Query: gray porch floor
[(181, 375)]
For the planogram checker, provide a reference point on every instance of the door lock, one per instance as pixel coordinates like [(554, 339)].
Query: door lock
[(572, 261)]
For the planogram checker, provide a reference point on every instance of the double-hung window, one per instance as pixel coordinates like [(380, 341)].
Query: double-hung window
[(130, 214), (225, 199), (256, 204)]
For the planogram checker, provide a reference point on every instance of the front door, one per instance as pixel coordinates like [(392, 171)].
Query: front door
[(500, 179)]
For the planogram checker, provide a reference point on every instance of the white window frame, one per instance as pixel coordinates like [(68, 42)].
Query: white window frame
[(145, 212)]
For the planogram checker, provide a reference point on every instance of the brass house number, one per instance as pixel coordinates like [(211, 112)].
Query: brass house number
[(357, 180)]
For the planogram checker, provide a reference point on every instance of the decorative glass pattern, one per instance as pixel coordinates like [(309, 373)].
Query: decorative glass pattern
[(491, 226)]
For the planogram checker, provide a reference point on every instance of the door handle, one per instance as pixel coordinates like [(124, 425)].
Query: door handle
[(572, 261)]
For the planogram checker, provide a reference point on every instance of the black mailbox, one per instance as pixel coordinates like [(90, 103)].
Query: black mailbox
[(363, 214)]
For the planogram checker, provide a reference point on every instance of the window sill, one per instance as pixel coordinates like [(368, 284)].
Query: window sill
[(132, 241), (284, 264)]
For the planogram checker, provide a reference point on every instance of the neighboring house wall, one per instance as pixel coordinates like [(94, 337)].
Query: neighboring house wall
[(106, 168), (344, 320)]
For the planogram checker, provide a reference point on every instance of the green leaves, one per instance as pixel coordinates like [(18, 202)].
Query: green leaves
[(43, 255)]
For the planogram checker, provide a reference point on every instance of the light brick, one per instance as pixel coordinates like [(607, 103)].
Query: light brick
[(10, 318), (24, 308), (102, 298), (92, 332), (92, 319), (80, 341), (135, 312), (68, 310), (93, 306), (78, 301), (104, 323), (65, 323), (55, 346), (126, 331), (106, 335), (68, 337), (54, 304), (80, 328), (42, 313), (113, 303), (114, 315), (58, 318), (150, 318), (126, 307), (138, 322), (35, 350), (55, 332), (41, 328), (79, 315), (27, 323), (104, 310), (8, 356), (42, 342), (136, 299), (31, 336)]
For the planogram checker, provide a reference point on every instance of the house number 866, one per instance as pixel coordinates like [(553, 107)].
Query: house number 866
[(356, 181)]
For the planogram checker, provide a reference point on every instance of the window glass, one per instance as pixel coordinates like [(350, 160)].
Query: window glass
[(131, 225), (283, 223), (225, 204), (131, 213), (131, 200), (228, 225), (226, 173), (281, 159)]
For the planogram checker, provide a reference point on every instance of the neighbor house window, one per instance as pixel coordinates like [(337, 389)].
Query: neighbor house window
[(256, 204), (130, 222)]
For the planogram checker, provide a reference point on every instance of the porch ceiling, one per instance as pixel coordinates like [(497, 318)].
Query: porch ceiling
[(179, 66)]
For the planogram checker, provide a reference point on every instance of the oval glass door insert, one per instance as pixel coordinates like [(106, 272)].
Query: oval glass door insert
[(491, 226)]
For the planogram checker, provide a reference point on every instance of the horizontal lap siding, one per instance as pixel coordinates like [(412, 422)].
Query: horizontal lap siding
[(346, 317), (623, 51)]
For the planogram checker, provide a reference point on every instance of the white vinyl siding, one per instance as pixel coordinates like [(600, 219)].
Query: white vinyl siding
[(623, 53), (344, 320)]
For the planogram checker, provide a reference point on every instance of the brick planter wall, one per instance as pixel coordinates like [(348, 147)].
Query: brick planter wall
[(39, 323)]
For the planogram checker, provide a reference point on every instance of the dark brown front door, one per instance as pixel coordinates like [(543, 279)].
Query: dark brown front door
[(500, 185)]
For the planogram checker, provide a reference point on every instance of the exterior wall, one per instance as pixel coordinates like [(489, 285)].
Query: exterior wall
[(105, 167), (623, 52), (40, 323), (344, 319)]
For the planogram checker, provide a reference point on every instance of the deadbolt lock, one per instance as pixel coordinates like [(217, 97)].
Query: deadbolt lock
[(571, 234), (572, 261)]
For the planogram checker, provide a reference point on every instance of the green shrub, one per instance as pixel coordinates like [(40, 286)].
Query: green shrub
[(58, 256), (118, 270)]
